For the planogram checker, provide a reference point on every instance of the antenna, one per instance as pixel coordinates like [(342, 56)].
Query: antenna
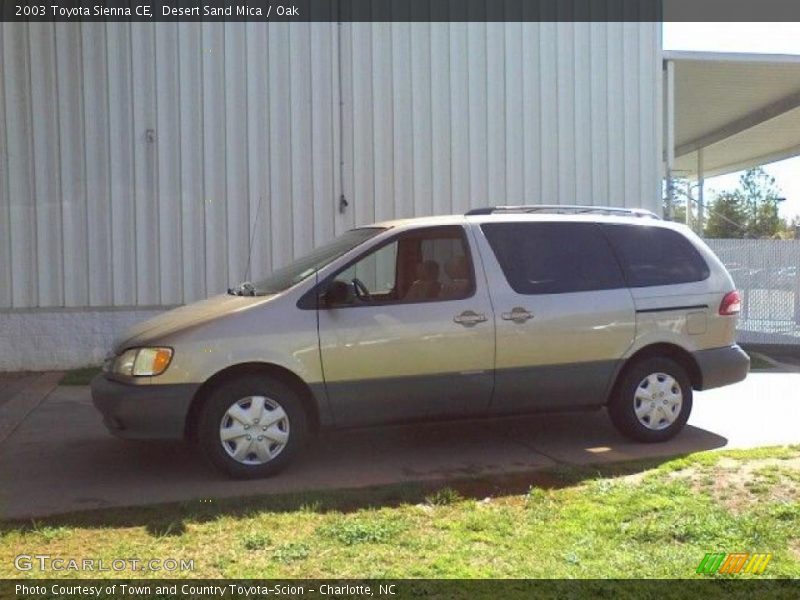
[(252, 238)]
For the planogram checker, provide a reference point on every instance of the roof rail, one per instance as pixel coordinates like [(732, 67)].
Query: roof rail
[(564, 209)]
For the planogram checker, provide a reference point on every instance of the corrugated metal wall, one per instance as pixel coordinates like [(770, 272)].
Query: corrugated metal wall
[(136, 160)]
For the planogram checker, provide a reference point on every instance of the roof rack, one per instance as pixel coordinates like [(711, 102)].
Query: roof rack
[(564, 209)]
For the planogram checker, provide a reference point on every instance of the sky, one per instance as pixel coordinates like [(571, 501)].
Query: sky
[(771, 38)]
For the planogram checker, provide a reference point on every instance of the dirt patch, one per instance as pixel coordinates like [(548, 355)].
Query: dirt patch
[(740, 484), (794, 548)]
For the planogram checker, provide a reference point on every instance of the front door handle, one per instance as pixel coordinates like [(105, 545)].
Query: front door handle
[(517, 314), (469, 318)]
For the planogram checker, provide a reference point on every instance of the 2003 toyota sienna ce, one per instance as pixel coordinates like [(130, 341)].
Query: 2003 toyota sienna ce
[(496, 312)]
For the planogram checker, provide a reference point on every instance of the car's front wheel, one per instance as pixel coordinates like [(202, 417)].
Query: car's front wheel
[(252, 427), (653, 400)]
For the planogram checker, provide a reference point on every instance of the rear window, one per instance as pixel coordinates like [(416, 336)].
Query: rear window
[(655, 256), (554, 258)]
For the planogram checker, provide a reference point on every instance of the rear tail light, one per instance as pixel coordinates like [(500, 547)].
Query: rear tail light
[(731, 304)]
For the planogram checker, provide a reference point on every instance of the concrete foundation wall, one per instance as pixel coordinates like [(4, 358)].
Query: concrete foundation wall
[(41, 340)]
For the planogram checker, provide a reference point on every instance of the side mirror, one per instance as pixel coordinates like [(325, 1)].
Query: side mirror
[(337, 293)]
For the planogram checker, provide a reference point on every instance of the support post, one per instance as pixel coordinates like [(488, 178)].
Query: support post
[(669, 137), (701, 184)]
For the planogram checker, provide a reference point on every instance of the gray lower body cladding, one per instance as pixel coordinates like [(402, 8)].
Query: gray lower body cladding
[(159, 411), (722, 366), (507, 391), (143, 411)]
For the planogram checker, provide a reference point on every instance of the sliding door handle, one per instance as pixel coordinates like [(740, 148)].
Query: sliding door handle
[(517, 315), (468, 318)]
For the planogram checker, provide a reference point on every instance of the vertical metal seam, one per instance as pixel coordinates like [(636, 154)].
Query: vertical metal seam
[(607, 118), (82, 113), (639, 128), (110, 182), (430, 112), (156, 167), (177, 100), (557, 27), (311, 130), (486, 114), (541, 113), (592, 169), (624, 113), (7, 178), (133, 160), (202, 119), (59, 170), (450, 112), (468, 129), (291, 142), (588, 93), (226, 245), (390, 25), (35, 299), (268, 121), (522, 120), (352, 130), (523, 114), (250, 227), (336, 68), (411, 129), (372, 116), (506, 177)]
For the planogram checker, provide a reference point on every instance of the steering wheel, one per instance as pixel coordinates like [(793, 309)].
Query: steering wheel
[(361, 290)]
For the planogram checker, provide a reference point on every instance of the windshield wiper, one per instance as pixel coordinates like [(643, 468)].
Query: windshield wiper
[(245, 288)]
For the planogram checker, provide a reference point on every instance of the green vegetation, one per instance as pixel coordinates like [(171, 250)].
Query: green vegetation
[(749, 211), (569, 522), (82, 376), (758, 361)]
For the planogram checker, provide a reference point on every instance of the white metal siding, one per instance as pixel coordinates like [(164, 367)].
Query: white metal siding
[(136, 161)]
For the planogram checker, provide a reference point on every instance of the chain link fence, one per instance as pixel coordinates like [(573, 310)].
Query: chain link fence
[(767, 273)]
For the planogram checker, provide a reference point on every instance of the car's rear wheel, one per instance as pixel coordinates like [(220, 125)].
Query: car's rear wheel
[(252, 427), (653, 400)]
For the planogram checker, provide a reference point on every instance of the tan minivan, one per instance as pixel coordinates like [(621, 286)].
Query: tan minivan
[(500, 311)]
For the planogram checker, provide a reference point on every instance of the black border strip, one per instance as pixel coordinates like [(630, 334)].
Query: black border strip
[(403, 10), (670, 308), (708, 587)]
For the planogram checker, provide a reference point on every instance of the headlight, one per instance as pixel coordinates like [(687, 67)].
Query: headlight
[(143, 362)]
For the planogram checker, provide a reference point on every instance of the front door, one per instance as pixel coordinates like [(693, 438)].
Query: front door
[(564, 315), (413, 336)]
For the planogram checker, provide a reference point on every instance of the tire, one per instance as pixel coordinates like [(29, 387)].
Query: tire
[(659, 390), (253, 402)]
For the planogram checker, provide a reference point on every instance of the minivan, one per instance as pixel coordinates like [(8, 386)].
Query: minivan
[(501, 311)]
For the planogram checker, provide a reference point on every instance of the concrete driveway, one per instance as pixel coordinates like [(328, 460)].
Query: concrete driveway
[(61, 459)]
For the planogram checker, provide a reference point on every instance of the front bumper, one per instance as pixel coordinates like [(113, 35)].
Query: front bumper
[(143, 411), (722, 366)]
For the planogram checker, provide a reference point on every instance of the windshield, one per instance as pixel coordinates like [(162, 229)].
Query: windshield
[(298, 270)]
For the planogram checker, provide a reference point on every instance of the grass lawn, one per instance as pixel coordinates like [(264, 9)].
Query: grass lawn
[(646, 519)]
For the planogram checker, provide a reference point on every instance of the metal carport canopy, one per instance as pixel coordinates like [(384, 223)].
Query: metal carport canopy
[(731, 111)]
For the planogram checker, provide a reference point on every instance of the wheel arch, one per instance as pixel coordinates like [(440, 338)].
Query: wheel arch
[(661, 350), (282, 374)]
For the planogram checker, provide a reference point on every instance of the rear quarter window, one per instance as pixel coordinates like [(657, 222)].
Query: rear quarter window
[(554, 258), (652, 256)]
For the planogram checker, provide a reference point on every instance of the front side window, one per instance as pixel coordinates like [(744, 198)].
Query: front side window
[(431, 264), (655, 256), (553, 258), (302, 268)]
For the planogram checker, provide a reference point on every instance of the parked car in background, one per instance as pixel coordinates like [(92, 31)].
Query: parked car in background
[(501, 311)]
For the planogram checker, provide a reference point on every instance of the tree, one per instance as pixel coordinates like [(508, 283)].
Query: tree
[(749, 211), (727, 217)]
